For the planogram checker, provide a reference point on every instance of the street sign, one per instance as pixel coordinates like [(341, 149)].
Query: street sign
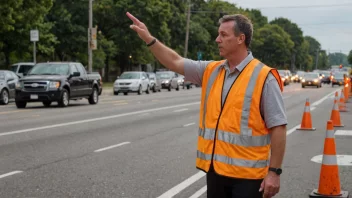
[(199, 54), (34, 35)]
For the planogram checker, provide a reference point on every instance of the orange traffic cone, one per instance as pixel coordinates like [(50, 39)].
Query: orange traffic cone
[(306, 123), (342, 104), (329, 181), (345, 91), (335, 114)]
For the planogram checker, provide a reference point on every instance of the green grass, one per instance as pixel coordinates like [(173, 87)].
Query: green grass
[(108, 85)]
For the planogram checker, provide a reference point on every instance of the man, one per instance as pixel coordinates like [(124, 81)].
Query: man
[(242, 115)]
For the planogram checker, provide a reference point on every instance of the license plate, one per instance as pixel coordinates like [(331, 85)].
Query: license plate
[(34, 96), (309, 83)]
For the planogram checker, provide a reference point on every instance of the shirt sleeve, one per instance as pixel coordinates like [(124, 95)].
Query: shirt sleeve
[(194, 70), (272, 104)]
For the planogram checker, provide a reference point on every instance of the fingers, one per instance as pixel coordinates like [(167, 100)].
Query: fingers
[(134, 19), (262, 185)]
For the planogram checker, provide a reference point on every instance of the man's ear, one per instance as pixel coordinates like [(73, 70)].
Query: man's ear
[(241, 39)]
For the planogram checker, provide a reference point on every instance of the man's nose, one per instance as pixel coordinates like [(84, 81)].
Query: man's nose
[(218, 39)]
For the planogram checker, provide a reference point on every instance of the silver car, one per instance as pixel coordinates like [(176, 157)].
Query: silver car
[(8, 83), (132, 82)]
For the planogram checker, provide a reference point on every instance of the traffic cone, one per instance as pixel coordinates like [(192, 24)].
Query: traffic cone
[(306, 123), (342, 104), (329, 181), (345, 91), (335, 114)]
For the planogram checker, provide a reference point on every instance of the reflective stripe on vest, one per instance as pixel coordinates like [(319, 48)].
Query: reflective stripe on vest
[(233, 161)]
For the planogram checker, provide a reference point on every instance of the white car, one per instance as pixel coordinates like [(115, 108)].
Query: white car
[(131, 81)]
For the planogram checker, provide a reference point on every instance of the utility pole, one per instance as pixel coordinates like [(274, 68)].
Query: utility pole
[(90, 53), (187, 28), (316, 59)]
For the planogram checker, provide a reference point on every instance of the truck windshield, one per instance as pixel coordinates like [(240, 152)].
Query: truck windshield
[(50, 69)]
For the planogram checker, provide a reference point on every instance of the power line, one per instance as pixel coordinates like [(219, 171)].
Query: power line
[(281, 7), (308, 6)]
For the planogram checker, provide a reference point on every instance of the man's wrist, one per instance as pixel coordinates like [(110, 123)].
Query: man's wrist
[(275, 170), (149, 40)]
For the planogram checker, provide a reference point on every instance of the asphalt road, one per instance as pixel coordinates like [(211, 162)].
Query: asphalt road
[(143, 146)]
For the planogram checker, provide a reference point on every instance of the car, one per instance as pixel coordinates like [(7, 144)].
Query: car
[(8, 82), (311, 79), (132, 81), (337, 79), (284, 77), (169, 80), (154, 82), (298, 76), (21, 69), (58, 82), (325, 77)]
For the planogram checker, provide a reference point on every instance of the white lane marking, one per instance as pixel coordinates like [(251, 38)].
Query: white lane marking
[(175, 190), (293, 129), (10, 173), (199, 192), (343, 132), (287, 97), (97, 119), (111, 147), (342, 160), (144, 114), (316, 103), (180, 110), (186, 125), (312, 108)]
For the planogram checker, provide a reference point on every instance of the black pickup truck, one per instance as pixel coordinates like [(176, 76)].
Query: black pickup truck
[(58, 82)]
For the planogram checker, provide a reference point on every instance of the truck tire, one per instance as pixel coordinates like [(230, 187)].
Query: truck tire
[(5, 97), (21, 105), (65, 98), (94, 98)]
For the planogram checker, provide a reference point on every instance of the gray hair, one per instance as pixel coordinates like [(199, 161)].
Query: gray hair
[(242, 25)]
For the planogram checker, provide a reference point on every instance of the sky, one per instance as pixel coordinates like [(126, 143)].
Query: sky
[(329, 22)]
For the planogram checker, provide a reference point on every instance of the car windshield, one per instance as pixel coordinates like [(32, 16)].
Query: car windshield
[(50, 69), (311, 75), (2, 76), (130, 75), (164, 75), (300, 73), (339, 75)]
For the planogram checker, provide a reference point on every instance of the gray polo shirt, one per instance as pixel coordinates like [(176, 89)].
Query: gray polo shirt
[(272, 106)]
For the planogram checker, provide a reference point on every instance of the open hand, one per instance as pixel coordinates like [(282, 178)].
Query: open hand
[(140, 28)]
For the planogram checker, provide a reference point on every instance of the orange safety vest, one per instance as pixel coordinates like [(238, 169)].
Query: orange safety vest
[(234, 137)]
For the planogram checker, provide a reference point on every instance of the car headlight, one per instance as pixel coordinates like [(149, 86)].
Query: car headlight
[(315, 80), (283, 79), (166, 81), (54, 85), (303, 80), (19, 85)]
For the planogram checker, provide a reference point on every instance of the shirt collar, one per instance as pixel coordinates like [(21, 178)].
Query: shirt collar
[(240, 66)]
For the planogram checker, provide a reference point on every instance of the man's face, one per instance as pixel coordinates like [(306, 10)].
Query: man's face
[(227, 41)]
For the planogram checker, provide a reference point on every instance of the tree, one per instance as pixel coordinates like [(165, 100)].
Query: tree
[(302, 57), (338, 58), (110, 15), (350, 57), (314, 48), (296, 36), (16, 23), (272, 45)]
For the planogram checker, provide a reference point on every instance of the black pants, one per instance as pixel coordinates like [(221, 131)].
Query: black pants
[(224, 187)]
